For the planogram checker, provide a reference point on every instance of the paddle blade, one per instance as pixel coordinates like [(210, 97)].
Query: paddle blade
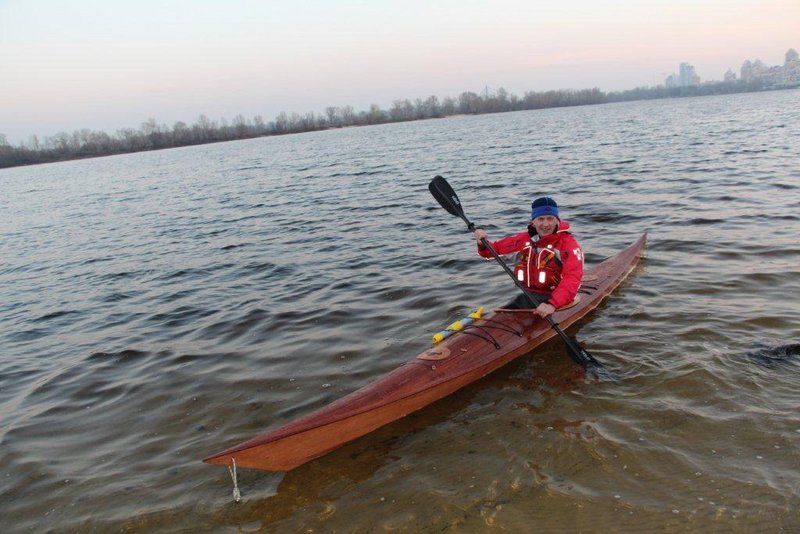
[(445, 196), (582, 356)]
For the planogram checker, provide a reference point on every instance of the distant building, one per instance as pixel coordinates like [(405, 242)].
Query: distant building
[(752, 72), (785, 75), (791, 68), (686, 77)]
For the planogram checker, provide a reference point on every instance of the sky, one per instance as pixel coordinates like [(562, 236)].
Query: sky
[(66, 65)]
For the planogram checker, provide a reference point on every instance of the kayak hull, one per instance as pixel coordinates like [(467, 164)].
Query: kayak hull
[(488, 344)]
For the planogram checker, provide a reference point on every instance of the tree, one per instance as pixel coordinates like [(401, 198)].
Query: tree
[(402, 110), (332, 113), (448, 106), (348, 116), (149, 130), (204, 128), (308, 122), (240, 126), (469, 102), (501, 100), (181, 134), (6, 150), (281, 123), (259, 128), (295, 122), (432, 107), (419, 109), (375, 115)]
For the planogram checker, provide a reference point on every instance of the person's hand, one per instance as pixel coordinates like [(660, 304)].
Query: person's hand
[(544, 309), (479, 234)]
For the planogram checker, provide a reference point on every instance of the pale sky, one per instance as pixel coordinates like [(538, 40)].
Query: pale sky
[(111, 64)]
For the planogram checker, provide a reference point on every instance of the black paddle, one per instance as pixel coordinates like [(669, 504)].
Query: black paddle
[(448, 199)]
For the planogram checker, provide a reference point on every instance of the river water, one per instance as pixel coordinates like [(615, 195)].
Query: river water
[(159, 307)]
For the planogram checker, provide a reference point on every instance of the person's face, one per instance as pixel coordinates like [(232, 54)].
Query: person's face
[(545, 224)]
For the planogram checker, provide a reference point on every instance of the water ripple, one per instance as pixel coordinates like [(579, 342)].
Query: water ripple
[(156, 310)]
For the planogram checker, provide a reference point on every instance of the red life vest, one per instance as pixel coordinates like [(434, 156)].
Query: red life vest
[(539, 268)]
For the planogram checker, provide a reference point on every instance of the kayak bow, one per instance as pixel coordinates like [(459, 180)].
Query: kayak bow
[(448, 366)]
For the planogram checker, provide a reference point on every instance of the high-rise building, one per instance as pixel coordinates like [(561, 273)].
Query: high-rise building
[(688, 76)]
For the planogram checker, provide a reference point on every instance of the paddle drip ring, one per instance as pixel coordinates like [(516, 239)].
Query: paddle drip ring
[(237, 495)]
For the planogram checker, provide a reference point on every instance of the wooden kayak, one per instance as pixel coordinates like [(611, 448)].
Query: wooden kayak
[(489, 343)]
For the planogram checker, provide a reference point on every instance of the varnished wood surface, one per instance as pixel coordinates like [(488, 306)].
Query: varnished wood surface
[(461, 359)]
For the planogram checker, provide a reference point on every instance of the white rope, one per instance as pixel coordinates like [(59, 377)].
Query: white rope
[(237, 495)]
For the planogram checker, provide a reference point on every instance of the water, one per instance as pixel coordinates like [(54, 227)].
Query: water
[(159, 307)]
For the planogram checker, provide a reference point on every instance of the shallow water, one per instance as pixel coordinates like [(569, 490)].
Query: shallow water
[(159, 307)]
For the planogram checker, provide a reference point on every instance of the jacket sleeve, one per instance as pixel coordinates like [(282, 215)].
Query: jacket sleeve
[(571, 274), (506, 245)]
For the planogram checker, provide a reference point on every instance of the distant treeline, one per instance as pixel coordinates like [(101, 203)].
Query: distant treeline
[(706, 89), (153, 136)]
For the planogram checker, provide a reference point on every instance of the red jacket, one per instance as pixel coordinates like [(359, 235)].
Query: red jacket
[(551, 264)]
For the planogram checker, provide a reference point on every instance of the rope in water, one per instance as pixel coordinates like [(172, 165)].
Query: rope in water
[(237, 495)]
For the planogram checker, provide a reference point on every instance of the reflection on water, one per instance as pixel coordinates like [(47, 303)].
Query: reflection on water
[(159, 307)]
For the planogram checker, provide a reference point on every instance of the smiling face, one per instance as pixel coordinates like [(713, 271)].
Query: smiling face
[(545, 224)]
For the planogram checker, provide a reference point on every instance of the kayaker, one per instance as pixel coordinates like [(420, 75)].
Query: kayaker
[(550, 261)]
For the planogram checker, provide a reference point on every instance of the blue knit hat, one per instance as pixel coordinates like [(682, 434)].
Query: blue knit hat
[(544, 206)]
